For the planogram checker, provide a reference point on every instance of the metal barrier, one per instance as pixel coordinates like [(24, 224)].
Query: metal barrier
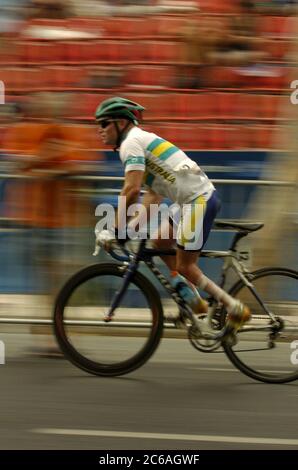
[(94, 178), (121, 178)]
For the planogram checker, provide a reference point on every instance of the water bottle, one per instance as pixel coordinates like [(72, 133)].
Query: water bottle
[(189, 293)]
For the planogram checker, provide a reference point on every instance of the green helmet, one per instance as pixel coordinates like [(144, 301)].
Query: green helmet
[(119, 108)]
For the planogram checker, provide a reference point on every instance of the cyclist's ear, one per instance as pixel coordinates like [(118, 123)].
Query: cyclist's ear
[(122, 123)]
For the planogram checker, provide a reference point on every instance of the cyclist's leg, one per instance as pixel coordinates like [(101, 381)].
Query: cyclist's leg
[(165, 240), (193, 231), (187, 266)]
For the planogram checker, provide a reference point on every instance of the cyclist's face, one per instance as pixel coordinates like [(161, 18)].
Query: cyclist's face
[(107, 131)]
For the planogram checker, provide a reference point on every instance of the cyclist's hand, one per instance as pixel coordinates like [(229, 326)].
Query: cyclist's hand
[(106, 239)]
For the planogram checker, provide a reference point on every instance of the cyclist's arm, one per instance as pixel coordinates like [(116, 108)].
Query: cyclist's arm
[(133, 158), (151, 197), (130, 191)]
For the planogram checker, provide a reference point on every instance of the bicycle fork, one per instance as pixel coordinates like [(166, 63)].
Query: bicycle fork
[(129, 271)]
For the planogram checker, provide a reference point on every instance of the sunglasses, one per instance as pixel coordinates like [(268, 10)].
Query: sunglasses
[(105, 123)]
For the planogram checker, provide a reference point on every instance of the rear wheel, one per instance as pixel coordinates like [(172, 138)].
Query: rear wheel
[(263, 351), (117, 347)]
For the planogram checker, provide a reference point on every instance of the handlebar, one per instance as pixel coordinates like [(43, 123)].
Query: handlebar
[(142, 250), (113, 251), (118, 257)]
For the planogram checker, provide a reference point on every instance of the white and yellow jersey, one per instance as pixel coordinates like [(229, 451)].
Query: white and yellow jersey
[(168, 170)]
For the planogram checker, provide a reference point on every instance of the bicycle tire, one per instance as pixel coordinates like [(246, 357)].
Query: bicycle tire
[(124, 366), (231, 350)]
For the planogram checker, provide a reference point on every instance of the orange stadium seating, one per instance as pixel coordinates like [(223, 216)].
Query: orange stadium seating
[(202, 106), (238, 108), (149, 75)]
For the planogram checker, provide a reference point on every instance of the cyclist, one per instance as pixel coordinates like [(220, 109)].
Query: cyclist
[(165, 171)]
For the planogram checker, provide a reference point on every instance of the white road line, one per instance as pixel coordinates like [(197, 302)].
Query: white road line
[(169, 437), (268, 371), (213, 369)]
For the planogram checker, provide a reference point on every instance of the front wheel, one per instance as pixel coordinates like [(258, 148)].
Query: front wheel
[(117, 347), (266, 351)]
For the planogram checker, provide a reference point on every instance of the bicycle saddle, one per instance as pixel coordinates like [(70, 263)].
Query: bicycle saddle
[(241, 226)]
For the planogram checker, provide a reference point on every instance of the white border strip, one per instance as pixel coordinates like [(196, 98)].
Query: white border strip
[(2, 353), (2, 92), (169, 437)]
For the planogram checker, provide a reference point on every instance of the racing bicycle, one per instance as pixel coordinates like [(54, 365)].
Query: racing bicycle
[(109, 317)]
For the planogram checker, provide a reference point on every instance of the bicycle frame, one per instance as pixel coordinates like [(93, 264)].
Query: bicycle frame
[(232, 260), (131, 266), (207, 332)]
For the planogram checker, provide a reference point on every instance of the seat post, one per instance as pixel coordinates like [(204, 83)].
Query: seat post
[(236, 239)]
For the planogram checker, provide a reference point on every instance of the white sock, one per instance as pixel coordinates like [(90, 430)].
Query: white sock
[(217, 292)]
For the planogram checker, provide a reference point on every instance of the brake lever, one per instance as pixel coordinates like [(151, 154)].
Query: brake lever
[(122, 258)]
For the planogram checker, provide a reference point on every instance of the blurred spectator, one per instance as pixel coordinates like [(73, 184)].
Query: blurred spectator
[(12, 14), (200, 39), (131, 2), (45, 203), (103, 77), (130, 7), (52, 9), (276, 7), (89, 7), (240, 45), (10, 113), (209, 41)]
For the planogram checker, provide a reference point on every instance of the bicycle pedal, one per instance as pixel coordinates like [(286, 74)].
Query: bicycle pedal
[(107, 318), (230, 338)]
